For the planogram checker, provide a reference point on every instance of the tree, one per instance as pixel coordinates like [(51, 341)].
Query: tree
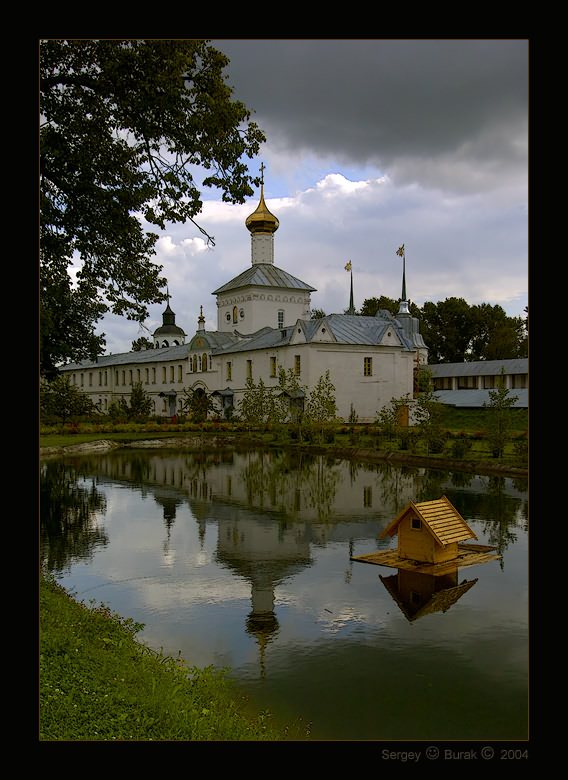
[(321, 406), (62, 400), (142, 343), (127, 127), (496, 336), (197, 404), (500, 403)]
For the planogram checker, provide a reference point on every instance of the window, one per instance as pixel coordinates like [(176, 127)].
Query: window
[(280, 319), (272, 366), (138, 377), (415, 523), (180, 374), (235, 315), (297, 365), (164, 375), (249, 369), (153, 376), (229, 366), (368, 366), (147, 375)]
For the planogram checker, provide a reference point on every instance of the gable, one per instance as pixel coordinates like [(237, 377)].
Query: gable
[(390, 338), (199, 342)]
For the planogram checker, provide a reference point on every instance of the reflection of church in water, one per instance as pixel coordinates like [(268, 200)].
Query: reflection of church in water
[(269, 511)]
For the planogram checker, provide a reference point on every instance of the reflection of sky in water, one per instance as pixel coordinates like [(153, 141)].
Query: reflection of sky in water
[(204, 575)]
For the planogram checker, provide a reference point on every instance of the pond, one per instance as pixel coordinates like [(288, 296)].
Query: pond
[(245, 560)]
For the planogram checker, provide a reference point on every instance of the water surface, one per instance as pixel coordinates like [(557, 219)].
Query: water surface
[(243, 560)]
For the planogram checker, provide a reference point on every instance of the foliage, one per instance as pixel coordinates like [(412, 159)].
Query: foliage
[(138, 410), (142, 343), (499, 426), (98, 683), (197, 404), (455, 331), (321, 406), (127, 126), (61, 400)]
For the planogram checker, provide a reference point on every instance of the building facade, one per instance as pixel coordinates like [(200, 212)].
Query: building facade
[(263, 326)]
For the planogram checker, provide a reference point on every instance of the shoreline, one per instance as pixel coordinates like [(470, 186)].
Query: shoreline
[(200, 442)]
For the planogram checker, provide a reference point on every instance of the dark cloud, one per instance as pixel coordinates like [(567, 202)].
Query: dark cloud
[(380, 101)]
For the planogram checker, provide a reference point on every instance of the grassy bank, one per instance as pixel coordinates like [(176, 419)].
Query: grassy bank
[(463, 438), (97, 682)]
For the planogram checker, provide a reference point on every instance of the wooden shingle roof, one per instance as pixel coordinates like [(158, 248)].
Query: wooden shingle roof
[(440, 517)]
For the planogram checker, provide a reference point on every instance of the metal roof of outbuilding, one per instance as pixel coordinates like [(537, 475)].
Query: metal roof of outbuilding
[(480, 368)]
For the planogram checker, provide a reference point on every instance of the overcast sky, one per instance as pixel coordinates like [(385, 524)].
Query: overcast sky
[(371, 144)]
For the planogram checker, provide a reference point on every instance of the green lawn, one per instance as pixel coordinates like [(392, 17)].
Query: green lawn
[(98, 683)]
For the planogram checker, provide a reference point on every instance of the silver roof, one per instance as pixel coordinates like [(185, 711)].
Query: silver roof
[(264, 275), (179, 352), (476, 398), (481, 368)]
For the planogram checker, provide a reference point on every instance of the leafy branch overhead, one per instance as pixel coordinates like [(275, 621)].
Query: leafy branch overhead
[(131, 133)]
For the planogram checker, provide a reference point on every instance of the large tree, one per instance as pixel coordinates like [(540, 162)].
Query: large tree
[(131, 132)]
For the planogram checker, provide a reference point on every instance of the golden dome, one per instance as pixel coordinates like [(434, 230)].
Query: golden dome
[(262, 220)]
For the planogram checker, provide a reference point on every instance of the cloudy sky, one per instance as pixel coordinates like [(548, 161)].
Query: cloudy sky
[(371, 144)]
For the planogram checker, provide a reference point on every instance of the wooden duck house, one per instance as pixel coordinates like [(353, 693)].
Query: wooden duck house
[(429, 532), (431, 537)]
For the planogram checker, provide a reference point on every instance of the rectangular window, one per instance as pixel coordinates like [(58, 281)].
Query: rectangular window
[(147, 375), (164, 375), (172, 374), (124, 377), (180, 374), (138, 377), (415, 523), (467, 383), (280, 319), (249, 369), (368, 366), (229, 371), (272, 366), (297, 365), (153, 376)]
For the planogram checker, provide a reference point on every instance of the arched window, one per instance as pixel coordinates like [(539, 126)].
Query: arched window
[(235, 315)]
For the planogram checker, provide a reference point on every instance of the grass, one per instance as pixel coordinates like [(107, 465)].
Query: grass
[(97, 682), (464, 438)]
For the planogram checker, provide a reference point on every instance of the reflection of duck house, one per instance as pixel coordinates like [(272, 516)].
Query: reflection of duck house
[(418, 595), (431, 539)]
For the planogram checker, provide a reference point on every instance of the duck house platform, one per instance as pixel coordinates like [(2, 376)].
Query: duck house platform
[(467, 555)]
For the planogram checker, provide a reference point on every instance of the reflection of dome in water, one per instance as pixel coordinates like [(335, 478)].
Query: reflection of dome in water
[(262, 625)]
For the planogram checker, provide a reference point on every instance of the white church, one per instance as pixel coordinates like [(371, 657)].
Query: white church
[(264, 325)]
